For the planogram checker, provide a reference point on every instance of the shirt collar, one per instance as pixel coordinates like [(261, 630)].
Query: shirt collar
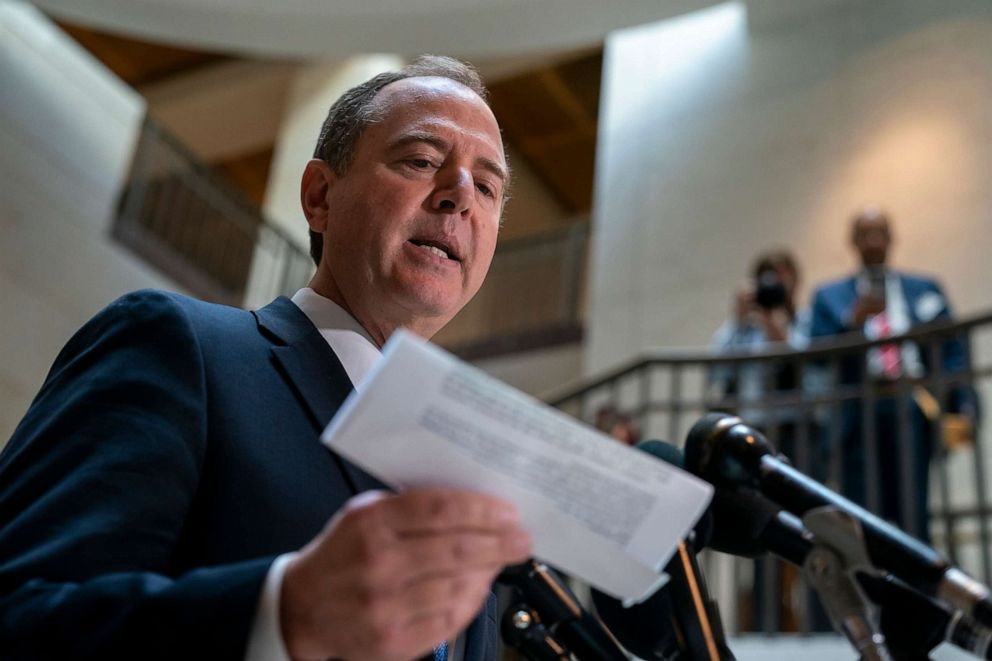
[(347, 338)]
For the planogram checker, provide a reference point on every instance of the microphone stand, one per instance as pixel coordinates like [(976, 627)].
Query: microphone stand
[(839, 552), (547, 619), (522, 629), (914, 624), (698, 621)]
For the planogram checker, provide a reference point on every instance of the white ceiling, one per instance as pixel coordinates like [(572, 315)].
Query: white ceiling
[(334, 28)]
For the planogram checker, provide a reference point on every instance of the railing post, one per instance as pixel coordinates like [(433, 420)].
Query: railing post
[(937, 433), (644, 408), (675, 405), (871, 482), (981, 489), (908, 453), (854, 405)]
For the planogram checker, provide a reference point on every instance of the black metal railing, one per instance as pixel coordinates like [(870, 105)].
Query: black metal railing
[(189, 222), (833, 422)]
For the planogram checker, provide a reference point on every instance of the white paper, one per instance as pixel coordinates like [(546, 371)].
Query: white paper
[(596, 509)]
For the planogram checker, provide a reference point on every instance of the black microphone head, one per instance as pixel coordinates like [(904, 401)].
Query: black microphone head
[(722, 449), (670, 454), (702, 440), (740, 518)]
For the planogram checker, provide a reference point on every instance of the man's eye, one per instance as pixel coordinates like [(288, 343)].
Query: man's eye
[(420, 163), (485, 190)]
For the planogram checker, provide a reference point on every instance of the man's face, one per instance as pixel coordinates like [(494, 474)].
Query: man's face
[(871, 239), (411, 226)]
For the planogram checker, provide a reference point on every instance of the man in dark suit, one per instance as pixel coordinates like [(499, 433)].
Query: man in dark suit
[(880, 302), (166, 495)]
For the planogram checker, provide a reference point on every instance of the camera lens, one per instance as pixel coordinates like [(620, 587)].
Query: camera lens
[(769, 292)]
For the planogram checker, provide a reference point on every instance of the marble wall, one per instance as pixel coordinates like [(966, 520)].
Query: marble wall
[(749, 125), (67, 132)]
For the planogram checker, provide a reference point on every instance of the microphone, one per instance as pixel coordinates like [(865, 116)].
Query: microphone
[(725, 451), (745, 523), (679, 621)]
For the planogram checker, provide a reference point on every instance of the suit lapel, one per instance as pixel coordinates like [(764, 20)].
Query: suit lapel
[(909, 296), (483, 634), (313, 371), (848, 295)]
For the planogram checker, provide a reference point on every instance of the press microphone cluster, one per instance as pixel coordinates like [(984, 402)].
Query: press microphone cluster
[(725, 451), (757, 508), (744, 522)]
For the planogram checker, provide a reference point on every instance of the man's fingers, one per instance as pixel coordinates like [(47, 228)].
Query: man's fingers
[(451, 552), (449, 613), (431, 510), (424, 531), (408, 569), (461, 593), (428, 614)]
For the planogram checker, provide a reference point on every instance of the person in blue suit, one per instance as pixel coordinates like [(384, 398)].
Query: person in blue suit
[(878, 302), (166, 496)]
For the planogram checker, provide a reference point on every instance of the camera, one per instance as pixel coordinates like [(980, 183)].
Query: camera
[(769, 292)]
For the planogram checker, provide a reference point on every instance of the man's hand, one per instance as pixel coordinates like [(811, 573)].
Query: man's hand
[(866, 306), (392, 575)]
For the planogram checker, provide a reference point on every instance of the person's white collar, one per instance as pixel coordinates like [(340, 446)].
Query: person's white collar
[(347, 338)]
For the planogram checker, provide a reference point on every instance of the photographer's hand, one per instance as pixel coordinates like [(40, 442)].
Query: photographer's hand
[(744, 304), (775, 322)]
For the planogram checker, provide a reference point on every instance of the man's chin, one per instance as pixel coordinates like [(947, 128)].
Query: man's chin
[(431, 308)]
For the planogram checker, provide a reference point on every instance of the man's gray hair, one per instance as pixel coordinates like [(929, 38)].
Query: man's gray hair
[(356, 109)]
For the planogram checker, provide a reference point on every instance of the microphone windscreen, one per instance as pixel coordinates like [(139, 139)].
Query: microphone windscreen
[(664, 451)]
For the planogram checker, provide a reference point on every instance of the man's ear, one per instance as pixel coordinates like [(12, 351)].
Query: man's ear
[(317, 178)]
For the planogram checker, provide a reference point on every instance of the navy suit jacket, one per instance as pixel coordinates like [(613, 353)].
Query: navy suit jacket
[(170, 456), (926, 302)]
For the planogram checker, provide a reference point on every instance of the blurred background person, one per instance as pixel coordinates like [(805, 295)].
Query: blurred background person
[(620, 426), (764, 314), (878, 302)]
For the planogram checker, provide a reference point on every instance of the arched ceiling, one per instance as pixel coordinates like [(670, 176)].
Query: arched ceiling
[(334, 28)]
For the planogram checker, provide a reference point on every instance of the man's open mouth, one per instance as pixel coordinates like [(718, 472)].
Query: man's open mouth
[(439, 248)]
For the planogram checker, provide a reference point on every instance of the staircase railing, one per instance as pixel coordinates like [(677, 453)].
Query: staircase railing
[(185, 219), (825, 422)]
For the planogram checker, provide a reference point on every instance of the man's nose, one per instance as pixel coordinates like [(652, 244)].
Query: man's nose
[(454, 191)]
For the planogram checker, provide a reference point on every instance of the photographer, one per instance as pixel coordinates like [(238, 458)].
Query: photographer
[(764, 314)]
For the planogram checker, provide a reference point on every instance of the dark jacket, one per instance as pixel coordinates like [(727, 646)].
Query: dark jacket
[(170, 456)]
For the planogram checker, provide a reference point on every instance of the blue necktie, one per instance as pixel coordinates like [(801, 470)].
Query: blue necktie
[(441, 652)]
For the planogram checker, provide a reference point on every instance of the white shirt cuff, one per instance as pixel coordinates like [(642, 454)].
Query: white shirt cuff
[(265, 641)]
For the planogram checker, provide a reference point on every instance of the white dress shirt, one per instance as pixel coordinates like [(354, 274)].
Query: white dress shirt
[(899, 320)]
